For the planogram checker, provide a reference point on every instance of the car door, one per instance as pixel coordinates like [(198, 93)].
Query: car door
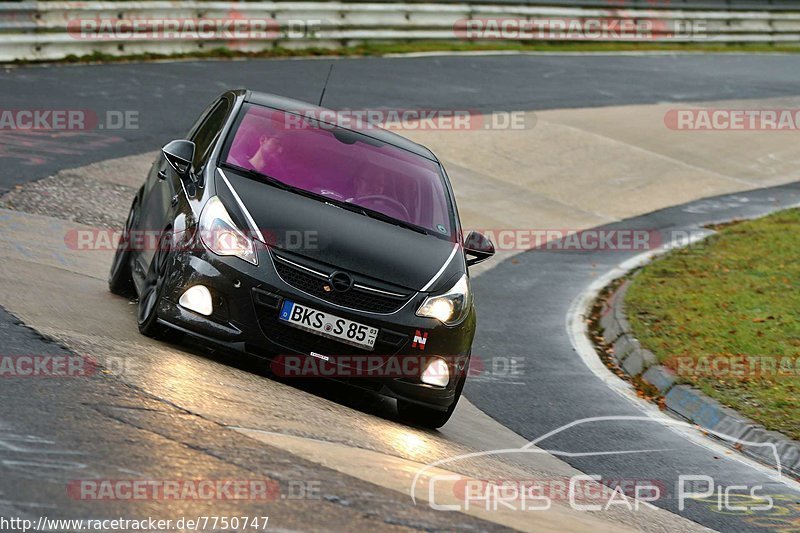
[(158, 192), (165, 191)]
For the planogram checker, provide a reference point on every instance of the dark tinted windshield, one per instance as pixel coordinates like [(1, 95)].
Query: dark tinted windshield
[(342, 165)]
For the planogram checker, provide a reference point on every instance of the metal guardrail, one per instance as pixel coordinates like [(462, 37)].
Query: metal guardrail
[(52, 30), (17, 16), (641, 4)]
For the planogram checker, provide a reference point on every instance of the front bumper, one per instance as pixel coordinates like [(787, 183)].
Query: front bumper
[(247, 300)]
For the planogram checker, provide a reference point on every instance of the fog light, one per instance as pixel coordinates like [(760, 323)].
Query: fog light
[(197, 299), (436, 373)]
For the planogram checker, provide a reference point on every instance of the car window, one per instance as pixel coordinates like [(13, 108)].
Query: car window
[(201, 119), (205, 135), (343, 165)]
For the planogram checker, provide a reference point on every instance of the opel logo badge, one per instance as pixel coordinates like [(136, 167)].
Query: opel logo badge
[(340, 281)]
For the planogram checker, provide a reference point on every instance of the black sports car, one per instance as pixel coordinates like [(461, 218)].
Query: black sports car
[(331, 250)]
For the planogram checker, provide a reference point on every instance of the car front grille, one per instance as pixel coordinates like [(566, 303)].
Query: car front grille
[(314, 282)]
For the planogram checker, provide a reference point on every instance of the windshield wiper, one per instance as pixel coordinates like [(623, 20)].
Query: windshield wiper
[(371, 213), (254, 174), (355, 208), (269, 180), (386, 218)]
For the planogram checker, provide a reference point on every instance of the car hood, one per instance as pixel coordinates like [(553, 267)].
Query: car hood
[(341, 238)]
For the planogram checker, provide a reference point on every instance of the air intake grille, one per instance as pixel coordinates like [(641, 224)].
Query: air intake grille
[(355, 298)]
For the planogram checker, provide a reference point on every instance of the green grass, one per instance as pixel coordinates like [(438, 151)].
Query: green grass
[(736, 294), (379, 49)]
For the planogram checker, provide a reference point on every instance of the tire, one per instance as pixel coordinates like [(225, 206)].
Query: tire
[(426, 417), (149, 299), (120, 279)]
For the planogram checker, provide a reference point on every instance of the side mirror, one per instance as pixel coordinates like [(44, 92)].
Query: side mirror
[(478, 248), (179, 154)]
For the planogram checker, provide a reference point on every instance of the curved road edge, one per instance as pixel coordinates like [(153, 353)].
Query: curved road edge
[(590, 414), (772, 448), (724, 420)]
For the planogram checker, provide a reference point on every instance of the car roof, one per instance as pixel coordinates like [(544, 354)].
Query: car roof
[(289, 104)]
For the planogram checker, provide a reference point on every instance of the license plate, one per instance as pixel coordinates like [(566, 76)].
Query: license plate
[(328, 325)]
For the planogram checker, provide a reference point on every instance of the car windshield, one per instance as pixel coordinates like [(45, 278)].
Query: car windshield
[(342, 165)]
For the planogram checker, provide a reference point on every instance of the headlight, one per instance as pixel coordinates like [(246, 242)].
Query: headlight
[(220, 235), (451, 307)]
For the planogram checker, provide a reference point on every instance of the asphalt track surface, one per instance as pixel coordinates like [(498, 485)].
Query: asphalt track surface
[(555, 387), (55, 433), (169, 96)]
